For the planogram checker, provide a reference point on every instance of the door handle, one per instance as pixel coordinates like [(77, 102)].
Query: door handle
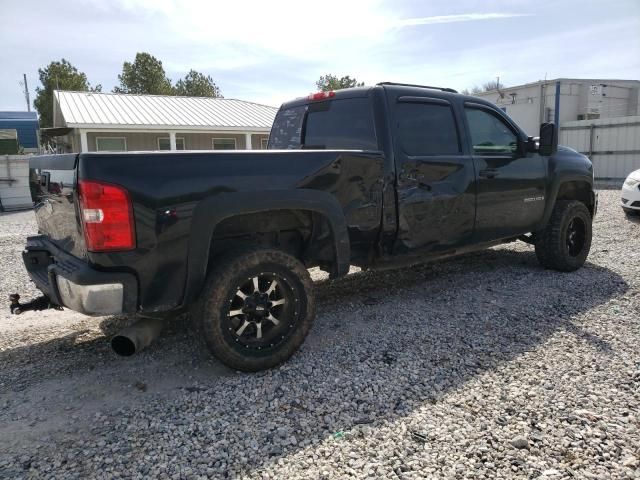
[(489, 173), (419, 179)]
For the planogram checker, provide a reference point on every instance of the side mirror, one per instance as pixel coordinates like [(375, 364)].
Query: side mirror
[(548, 139), (531, 146)]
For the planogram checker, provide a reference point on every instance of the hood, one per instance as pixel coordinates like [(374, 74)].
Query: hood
[(635, 175)]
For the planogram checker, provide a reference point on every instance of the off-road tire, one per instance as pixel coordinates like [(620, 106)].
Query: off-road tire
[(212, 310), (551, 245)]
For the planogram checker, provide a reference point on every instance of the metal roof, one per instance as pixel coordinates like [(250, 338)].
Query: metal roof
[(116, 110), (19, 115)]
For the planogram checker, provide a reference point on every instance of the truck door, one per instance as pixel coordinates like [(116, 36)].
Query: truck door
[(510, 182), (435, 179)]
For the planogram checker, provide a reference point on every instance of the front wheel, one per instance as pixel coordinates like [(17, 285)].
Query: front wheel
[(256, 309), (565, 242)]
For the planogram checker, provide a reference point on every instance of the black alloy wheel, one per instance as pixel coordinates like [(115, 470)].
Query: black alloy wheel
[(256, 308), (576, 234), (565, 241), (262, 311)]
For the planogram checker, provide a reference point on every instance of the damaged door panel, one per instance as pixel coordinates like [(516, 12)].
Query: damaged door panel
[(436, 184)]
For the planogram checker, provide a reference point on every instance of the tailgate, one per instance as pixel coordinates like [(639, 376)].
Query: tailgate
[(53, 190)]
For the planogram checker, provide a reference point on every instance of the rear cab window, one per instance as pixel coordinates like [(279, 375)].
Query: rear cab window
[(341, 124)]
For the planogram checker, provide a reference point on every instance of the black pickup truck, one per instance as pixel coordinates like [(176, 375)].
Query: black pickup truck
[(377, 177)]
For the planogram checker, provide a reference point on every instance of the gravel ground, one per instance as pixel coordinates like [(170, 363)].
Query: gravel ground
[(484, 366)]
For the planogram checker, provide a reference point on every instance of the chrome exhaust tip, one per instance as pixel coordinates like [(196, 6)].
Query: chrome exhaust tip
[(136, 337)]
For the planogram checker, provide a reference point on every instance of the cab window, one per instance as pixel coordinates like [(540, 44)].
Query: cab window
[(336, 124), (490, 135), (340, 124), (426, 129)]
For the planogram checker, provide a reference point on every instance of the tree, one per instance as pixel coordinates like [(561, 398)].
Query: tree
[(474, 90), (144, 76), (331, 82), (58, 76), (490, 85), (196, 84)]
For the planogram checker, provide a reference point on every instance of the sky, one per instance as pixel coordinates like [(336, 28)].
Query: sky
[(272, 51)]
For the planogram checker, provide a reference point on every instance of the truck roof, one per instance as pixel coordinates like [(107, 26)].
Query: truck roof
[(355, 92)]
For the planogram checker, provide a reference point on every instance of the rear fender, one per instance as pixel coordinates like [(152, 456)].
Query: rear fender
[(208, 214)]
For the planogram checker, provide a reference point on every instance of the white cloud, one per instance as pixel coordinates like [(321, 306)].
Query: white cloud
[(242, 31), (271, 51), (465, 17)]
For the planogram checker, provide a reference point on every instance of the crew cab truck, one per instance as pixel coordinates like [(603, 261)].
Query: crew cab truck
[(376, 177)]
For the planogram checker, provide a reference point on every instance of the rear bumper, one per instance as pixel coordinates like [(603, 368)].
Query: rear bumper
[(72, 283)]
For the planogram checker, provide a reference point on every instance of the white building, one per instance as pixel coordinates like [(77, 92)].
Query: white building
[(598, 117), (89, 122), (580, 99)]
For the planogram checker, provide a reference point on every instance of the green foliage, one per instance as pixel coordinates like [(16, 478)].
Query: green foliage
[(196, 84), (144, 76), (331, 82), (58, 76)]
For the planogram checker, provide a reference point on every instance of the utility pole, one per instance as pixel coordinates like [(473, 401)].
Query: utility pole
[(556, 113), (26, 92)]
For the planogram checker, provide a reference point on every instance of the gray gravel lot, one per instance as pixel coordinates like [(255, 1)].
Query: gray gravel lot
[(484, 366)]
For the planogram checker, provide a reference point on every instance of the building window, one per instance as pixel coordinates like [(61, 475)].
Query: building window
[(165, 144), (263, 143), (111, 144), (224, 143)]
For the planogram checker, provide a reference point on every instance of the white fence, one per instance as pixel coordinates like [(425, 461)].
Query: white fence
[(612, 144), (14, 182)]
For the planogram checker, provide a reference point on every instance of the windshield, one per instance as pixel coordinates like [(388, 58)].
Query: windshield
[(336, 124)]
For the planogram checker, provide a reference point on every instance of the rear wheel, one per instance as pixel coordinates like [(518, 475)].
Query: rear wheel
[(566, 240), (256, 309)]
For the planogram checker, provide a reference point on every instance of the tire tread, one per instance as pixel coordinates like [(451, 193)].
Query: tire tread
[(549, 246)]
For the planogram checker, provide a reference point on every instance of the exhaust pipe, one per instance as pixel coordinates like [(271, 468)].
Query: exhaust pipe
[(136, 337)]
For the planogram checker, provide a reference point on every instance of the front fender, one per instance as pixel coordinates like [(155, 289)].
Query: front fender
[(565, 166), (209, 212)]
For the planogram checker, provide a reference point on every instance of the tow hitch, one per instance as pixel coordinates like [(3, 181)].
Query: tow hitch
[(40, 303)]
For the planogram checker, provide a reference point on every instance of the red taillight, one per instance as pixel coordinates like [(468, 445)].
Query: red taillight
[(321, 95), (107, 217)]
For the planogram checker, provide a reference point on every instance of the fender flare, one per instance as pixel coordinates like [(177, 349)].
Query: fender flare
[(209, 212), (552, 194)]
